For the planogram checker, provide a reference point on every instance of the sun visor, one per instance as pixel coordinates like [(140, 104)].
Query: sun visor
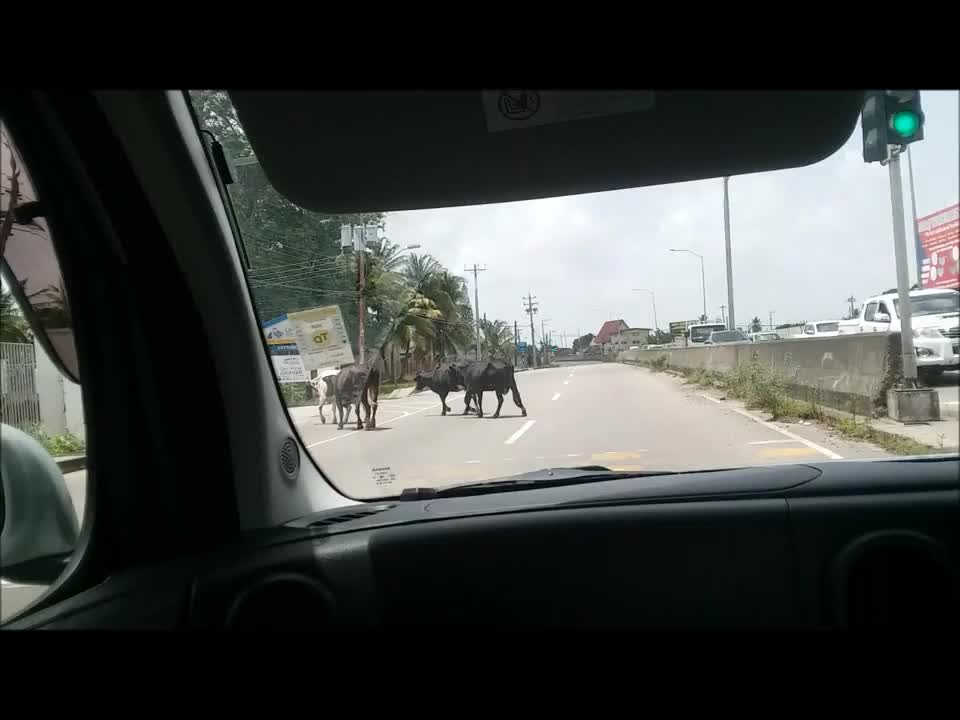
[(364, 151)]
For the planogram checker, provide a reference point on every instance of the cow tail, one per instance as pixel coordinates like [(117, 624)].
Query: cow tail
[(513, 389)]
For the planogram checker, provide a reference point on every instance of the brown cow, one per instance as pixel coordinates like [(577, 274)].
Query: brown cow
[(356, 385)]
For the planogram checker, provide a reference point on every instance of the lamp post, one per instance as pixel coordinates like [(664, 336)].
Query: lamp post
[(703, 281), (653, 297)]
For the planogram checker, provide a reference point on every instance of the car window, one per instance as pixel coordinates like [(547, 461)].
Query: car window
[(870, 312), (41, 410), (828, 327), (946, 302), (884, 309)]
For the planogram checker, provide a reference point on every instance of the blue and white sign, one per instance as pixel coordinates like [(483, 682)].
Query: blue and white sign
[(284, 352)]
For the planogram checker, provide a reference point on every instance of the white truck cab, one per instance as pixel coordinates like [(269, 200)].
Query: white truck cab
[(935, 315), (821, 328)]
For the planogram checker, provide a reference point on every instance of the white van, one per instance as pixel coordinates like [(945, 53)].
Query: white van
[(821, 328), (935, 315)]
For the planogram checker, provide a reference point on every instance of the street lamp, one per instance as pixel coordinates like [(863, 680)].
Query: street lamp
[(656, 328), (703, 281)]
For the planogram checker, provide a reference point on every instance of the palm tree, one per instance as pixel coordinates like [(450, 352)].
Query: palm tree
[(496, 339), (756, 325), (454, 330), (13, 326), (418, 268)]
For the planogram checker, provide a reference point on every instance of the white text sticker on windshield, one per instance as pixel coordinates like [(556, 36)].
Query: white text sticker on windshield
[(516, 109), (383, 476)]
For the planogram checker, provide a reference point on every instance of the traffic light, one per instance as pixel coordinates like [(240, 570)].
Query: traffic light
[(890, 117), (873, 122), (904, 117)]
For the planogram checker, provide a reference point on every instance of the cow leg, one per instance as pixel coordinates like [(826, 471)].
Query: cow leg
[(374, 395), (359, 418), (338, 410), (479, 398), (366, 410), (443, 402), (320, 408), (499, 403), (466, 400), (516, 396)]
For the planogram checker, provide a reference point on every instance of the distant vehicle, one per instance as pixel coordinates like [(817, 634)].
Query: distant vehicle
[(935, 317), (764, 336), (723, 337), (700, 332), (821, 328)]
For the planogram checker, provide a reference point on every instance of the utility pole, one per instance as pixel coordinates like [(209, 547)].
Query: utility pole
[(516, 341), (726, 237), (543, 337), (851, 300), (723, 316), (771, 318), (916, 230), (358, 236), (476, 300), (531, 308), (903, 281)]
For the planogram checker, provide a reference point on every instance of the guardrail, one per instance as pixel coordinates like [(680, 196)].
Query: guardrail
[(847, 372)]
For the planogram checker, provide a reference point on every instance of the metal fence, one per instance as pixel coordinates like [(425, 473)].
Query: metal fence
[(19, 403)]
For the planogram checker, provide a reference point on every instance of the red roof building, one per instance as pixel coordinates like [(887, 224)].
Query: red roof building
[(608, 330)]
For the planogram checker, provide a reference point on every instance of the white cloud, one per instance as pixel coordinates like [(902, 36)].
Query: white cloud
[(803, 239)]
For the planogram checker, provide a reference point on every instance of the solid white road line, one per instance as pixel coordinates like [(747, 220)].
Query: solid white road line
[(516, 436), (566, 382), (786, 433), (354, 432), (472, 462), (768, 442), (555, 396)]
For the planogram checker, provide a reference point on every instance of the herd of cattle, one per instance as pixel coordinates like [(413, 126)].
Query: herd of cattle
[(356, 385)]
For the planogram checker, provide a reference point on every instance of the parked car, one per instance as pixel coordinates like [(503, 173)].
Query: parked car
[(764, 336), (821, 328), (723, 337), (935, 317)]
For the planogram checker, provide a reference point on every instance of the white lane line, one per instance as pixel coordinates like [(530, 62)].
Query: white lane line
[(574, 454), (472, 462), (950, 402), (768, 442), (555, 396), (516, 436), (354, 432), (786, 433), (566, 382)]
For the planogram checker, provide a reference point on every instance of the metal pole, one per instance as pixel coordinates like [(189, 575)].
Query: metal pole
[(723, 317), (703, 285), (657, 328), (726, 236), (903, 280), (771, 319), (362, 304), (916, 229)]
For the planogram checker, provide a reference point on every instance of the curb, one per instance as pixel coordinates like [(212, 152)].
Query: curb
[(71, 463)]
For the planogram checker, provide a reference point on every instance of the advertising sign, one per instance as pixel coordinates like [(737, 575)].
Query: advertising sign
[(321, 337), (677, 329), (940, 248), (284, 354)]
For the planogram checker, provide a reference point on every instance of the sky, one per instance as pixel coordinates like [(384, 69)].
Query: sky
[(803, 240)]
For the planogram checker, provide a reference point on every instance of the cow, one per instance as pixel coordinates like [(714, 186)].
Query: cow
[(324, 385), (495, 375), (442, 380), (356, 384)]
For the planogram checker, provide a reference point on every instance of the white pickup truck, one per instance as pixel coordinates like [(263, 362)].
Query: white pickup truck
[(936, 325)]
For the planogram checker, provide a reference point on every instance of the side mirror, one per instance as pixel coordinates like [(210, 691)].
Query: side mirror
[(881, 317), (38, 524)]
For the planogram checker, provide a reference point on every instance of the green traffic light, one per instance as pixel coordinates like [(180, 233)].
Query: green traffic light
[(905, 123)]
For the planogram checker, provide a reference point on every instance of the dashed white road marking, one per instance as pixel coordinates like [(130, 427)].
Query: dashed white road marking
[(540, 457), (516, 436), (555, 396), (566, 382), (574, 454), (472, 462), (768, 442), (786, 433)]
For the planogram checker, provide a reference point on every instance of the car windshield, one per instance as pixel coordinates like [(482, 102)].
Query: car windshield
[(728, 336), (948, 302), (433, 347)]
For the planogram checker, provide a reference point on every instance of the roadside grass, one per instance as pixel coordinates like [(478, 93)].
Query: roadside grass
[(61, 444), (389, 387), (765, 388)]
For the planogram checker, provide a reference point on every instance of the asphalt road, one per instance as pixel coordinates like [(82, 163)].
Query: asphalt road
[(618, 416), (948, 388)]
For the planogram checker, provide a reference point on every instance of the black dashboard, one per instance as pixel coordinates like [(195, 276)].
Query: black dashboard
[(831, 545)]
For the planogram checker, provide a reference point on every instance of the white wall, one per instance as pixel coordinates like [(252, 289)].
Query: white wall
[(61, 406)]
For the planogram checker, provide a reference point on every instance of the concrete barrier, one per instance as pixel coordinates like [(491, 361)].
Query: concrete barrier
[(847, 372)]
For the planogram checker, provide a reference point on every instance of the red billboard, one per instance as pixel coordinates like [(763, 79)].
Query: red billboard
[(940, 248)]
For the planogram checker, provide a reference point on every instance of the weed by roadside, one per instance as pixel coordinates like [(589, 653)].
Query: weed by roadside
[(63, 444), (851, 429)]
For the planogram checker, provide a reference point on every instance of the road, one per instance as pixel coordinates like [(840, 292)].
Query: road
[(949, 392), (618, 416)]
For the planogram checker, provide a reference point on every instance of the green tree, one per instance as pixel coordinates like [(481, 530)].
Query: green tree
[(496, 340), (582, 343), (756, 325), (13, 326)]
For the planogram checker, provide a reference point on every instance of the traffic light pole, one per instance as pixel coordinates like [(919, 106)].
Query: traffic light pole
[(909, 356)]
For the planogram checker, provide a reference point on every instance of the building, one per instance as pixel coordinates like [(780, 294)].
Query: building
[(616, 335)]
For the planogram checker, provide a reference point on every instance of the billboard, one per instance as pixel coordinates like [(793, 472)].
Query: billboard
[(940, 248), (284, 353), (321, 337), (677, 329)]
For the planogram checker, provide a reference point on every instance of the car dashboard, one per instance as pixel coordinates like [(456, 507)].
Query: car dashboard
[(846, 544)]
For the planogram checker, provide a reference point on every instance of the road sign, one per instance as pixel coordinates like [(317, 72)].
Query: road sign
[(284, 353), (940, 248), (677, 329), (521, 347), (321, 337)]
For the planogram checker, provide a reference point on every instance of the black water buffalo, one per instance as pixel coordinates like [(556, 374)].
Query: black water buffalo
[(442, 380), (358, 384), (496, 375)]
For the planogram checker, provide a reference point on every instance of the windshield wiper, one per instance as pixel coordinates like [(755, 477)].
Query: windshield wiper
[(548, 477)]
